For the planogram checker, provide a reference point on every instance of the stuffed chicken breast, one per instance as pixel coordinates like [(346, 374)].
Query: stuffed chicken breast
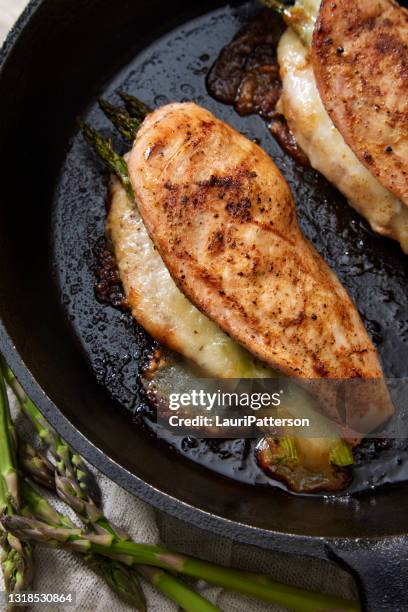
[(223, 220), (365, 155)]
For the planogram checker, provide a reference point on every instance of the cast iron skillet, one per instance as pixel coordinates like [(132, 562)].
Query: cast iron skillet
[(58, 59)]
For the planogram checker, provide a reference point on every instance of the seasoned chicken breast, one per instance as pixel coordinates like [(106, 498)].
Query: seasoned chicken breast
[(223, 220), (315, 132), (360, 61)]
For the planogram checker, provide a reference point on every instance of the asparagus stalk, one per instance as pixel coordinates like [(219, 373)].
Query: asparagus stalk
[(36, 465), (252, 585), (124, 123), (15, 557), (35, 505), (341, 454), (279, 7), (8, 459), (114, 162), (135, 107), (176, 590), (123, 580), (120, 578)]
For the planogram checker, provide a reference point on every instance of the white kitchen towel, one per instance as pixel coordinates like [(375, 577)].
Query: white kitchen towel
[(60, 572)]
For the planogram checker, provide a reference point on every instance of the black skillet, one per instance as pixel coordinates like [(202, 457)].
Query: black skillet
[(72, 352)]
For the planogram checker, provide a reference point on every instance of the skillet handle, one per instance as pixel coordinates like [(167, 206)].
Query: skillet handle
[(380, 568)]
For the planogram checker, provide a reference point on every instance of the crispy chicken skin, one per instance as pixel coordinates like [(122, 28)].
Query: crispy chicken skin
[(223, 219), (360, 61)]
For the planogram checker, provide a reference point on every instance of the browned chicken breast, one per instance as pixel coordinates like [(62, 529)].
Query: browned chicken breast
[(223, 220), (360, 61)]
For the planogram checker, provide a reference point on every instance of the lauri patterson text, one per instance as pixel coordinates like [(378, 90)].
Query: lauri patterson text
[(244, 421)]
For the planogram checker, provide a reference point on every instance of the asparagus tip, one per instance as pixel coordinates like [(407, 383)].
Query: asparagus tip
[(127, 125)]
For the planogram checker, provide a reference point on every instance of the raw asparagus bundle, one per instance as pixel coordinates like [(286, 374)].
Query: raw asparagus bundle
[(72, 485), (122, 579)]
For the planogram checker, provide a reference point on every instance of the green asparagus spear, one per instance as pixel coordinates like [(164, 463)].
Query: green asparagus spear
[(35, 505), (120, 578), (114, 162), (125, 124), (8, 459), (135, 107), (36, 465), (176, 590), (15, 557), (279, 7), (123, 580), (246, 583)]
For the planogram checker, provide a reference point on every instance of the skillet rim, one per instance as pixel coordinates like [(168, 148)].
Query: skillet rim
[(288, 542)]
